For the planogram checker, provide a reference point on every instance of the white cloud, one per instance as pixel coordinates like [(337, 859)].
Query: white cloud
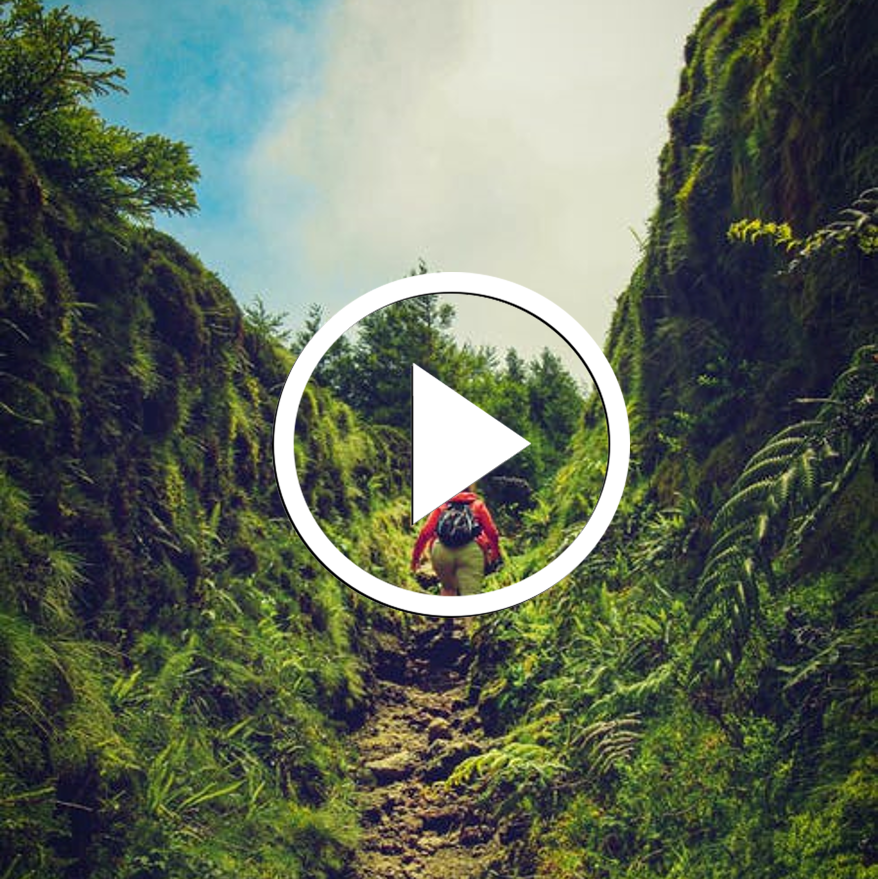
[(503, 137)]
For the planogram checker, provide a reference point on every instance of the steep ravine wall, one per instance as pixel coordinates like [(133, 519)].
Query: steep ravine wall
[(776, 119), (177, 672)]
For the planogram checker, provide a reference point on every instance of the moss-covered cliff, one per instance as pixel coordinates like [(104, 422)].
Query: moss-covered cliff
[(697, 699), (776, 119), (178, 675), (175, 667)]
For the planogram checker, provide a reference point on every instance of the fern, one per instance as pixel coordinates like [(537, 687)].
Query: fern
[(610, 742), (780, 496), (514, 774), (857, 225)]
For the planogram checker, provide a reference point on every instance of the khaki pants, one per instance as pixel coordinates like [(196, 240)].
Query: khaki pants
[(460, 569)]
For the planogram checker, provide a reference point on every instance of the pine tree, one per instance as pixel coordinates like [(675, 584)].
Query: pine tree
[(52, 65)]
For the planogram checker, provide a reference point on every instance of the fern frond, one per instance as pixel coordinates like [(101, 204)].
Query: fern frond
[(738, 504), (717, 563), (514, 772), (765, 468), (610, 742), (781, 493)]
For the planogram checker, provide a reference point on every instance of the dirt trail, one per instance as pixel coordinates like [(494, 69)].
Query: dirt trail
[(413, 824)]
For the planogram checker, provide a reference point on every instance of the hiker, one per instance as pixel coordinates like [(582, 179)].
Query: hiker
[(462, 541)]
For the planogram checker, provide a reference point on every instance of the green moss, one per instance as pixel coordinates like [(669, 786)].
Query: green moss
[(175, 664), (137, 421), (768, 124)]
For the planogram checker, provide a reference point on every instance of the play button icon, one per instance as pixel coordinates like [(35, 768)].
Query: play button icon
[(454, 443)]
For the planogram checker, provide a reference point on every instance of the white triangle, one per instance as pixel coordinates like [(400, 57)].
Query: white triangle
[(454, 443)]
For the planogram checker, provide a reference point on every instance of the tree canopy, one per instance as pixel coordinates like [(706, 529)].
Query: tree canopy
[(371, 372), (53, 64)]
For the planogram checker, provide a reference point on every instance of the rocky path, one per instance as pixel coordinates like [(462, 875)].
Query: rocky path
[(414, 825)]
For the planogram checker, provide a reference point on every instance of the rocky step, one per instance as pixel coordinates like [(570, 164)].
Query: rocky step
[(413, 823)]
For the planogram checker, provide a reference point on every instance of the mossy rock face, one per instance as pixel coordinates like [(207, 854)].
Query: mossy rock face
[(178, 320), (163, 409), (846, 539), (721, 467), (152, 569), (671, 477), (746, 142), (21, 196)]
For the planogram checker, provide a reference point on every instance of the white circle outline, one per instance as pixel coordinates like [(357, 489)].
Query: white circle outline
[(462, 605)]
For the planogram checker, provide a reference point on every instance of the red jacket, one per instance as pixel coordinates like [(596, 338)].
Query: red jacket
[(488, 539)]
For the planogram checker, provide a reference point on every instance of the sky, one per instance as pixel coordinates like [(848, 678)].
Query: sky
[(340, 142)]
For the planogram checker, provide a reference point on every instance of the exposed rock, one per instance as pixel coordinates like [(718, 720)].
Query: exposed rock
[(475, 834), (445, 755), (414, 825), (393, 768), (438, 729), (440, 818)]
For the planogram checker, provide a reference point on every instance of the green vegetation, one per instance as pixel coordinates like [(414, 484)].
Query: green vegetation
[(177, 673), (52, 64), (697, 699), (179, 676), (371, 372)]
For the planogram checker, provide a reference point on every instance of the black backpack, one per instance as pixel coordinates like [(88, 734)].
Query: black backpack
[(457, 525)]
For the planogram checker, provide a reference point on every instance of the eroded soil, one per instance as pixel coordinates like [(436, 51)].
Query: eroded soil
[(414, 823)]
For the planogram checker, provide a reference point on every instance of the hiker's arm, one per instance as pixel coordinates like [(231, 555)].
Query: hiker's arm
[(489, 529), (424, 537)]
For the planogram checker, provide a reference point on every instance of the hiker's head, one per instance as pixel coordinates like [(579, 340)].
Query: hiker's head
[(472, 488)]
